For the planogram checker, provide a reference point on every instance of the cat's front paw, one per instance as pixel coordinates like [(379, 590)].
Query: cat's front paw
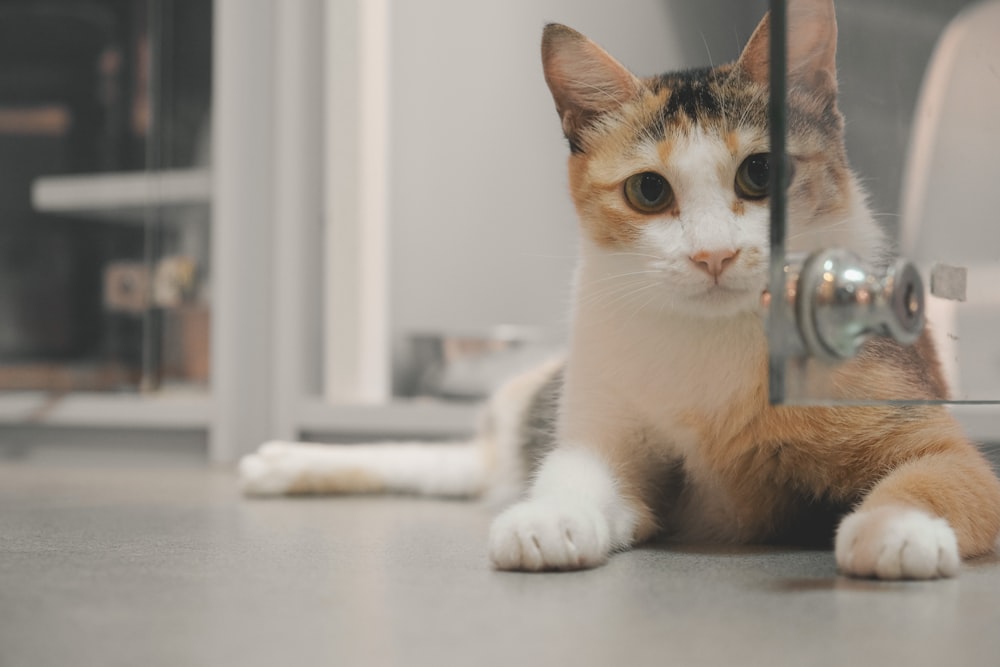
[(538, 535), (896, 543)]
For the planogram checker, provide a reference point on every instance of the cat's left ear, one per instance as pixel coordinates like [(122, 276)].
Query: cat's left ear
[(584, 79), (812, 47)]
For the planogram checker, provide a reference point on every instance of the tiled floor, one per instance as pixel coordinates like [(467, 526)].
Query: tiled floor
[(152, 565)]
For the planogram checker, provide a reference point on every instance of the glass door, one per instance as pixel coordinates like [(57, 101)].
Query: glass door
[(104, 241), (898, 258)]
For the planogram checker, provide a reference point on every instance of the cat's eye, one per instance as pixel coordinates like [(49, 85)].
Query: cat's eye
[(648, 192), (753, 178)]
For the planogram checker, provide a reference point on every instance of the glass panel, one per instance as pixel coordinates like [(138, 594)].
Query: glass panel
[(103, 253), (918, 88)]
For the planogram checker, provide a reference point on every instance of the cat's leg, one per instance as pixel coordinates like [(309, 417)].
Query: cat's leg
[(574, 517), (923, 518), (577, 513), (490, 464), (435, 469)]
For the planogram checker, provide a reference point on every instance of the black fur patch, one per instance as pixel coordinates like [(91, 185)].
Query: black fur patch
[(693, 93), (538, 425)]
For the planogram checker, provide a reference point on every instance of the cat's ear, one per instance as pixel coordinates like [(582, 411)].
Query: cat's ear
[(812, 47), (584, 79)]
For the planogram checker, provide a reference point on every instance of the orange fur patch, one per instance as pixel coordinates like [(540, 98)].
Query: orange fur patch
[(733, 142), (665, 149), (761, 464)]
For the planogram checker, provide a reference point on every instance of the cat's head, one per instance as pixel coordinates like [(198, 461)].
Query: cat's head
[(670, 174)]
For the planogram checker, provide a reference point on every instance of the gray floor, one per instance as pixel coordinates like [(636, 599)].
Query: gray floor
[(151, 565)]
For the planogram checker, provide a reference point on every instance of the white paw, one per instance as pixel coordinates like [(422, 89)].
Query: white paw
[(549, 535), (267, 472), (896, 543)]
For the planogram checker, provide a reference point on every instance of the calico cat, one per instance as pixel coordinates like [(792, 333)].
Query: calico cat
[(657, 422)]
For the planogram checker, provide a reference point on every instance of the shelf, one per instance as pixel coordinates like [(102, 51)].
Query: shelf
[(418, 419), (121, 196), (163, 411)]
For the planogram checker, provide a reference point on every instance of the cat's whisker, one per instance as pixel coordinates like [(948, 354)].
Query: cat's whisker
[(638, 290), (658, 258), (541, 256), (614, 292), (611, 288), (589, 86), (629, 300), (639, 307), (817, 231), (622, 253), (617, 276), (754, 102), (704, 40), (618, 296)]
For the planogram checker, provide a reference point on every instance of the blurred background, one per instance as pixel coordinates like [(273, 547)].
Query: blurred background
[(224, 222)]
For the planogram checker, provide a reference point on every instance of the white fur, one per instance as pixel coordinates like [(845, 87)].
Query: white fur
[(574, 518), (428, 469), (701, 172), (896, 543)]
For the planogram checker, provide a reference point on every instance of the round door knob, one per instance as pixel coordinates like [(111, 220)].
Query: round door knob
[(839, 303)]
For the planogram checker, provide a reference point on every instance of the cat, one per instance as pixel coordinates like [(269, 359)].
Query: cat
[(657, 420)]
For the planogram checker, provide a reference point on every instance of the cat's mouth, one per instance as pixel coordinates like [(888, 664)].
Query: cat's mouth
[(720, 291), (731, 299)]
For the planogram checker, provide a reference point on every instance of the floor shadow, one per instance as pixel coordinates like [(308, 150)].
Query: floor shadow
[(773, 581), (835, 583), (709, 549), (988, 560)]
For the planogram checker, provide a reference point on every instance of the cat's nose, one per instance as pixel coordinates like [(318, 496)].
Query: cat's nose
[(714, 263)]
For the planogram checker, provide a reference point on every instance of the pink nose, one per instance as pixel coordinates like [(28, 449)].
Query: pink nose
[(714, 263)]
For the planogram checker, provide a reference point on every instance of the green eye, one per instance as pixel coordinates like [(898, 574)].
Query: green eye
[(753, 178), (648, 192)]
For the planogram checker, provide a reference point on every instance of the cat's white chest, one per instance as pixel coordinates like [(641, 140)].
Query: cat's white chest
[(696, 366), (663, 371)]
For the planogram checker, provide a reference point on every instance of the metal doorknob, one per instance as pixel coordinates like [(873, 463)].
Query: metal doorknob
[(835, 303)]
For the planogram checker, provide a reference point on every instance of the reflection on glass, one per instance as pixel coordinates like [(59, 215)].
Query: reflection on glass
[(102, 286), (919, 89)]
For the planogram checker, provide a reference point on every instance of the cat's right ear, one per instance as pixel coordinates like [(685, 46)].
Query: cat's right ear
[(584, 79)]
